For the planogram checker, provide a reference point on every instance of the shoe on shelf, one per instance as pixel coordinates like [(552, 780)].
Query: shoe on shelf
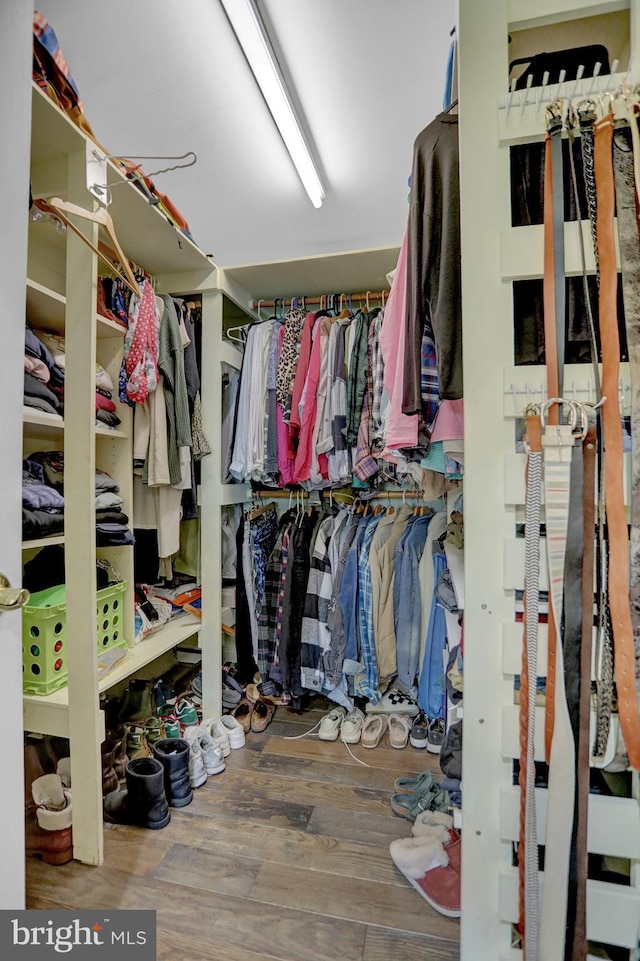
[(185, 712), (419, 731), (373, 728), (171, 726), (242, 713), (394, 702), (211, 752), (234, 730), (262, 714), (137, 745), (154, 730), (399, 730), (351, 726), (431, 864), (218, 733), (435, 735), (330, 724), (165, 697)]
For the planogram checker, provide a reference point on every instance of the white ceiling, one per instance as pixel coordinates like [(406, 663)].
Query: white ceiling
[(167, 76)]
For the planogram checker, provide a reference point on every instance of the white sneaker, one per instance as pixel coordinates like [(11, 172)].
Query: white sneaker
[(218, 732), (235, 731), (330, 724), (197, 768), (351, 726), (211, 752)]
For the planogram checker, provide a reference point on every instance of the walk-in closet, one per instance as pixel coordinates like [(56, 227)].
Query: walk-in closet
[(319, 587)]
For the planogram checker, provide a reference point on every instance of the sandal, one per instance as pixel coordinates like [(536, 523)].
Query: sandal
[(410, 805), (399, 730), (262, 714), (243, 712), (373, 728), (413, 785)]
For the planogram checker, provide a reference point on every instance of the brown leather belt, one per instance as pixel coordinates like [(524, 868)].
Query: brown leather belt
[(618, 569)]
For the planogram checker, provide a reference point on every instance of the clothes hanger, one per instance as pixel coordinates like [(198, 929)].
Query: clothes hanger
[(61, 208), (454, 103)]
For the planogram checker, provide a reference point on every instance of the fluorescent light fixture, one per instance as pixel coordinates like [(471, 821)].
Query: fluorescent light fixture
[(251, 34)]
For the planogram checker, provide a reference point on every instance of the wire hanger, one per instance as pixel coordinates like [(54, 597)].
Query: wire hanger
[(62, 208), (130, 175)]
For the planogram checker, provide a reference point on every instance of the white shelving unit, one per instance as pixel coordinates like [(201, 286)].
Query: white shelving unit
[(494, 254)]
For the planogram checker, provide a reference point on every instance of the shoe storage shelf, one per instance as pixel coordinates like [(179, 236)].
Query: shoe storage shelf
[(494, 255), (62, 276)]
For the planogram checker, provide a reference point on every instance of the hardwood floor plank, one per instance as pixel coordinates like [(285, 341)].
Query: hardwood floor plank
[(335, 822), (381, 944), (407, 761), (252, 839), (213, 923), (234, 801), (134, 853), (208, 870), (396, 907), (231, 786)]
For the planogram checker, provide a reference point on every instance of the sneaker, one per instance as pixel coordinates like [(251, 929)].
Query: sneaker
[(351, 726), (197, 768), (234, 730), (419, 731), (435, 735), (137, 741), (171, 726), (330, 724), (185, 712), (164, 696), (154, 730), (394, 702), (211, 752), (218, 733)]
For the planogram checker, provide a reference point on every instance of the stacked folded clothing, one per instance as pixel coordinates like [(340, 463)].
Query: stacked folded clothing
[(105, 407), (43, 377), (42, 504), (111, 523)]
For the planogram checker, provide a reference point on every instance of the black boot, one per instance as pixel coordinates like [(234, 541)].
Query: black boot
[(144, 802), (173, 753)]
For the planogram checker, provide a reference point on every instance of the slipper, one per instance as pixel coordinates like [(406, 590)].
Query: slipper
[(373, 728), (411, 785), (330, 724), (242, 713), (262, 714), (351, 727), (399, 728)]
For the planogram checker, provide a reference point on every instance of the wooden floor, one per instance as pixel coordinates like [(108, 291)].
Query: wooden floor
[(283, 856)]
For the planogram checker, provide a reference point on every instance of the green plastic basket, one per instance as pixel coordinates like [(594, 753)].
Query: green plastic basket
[(44, 634)]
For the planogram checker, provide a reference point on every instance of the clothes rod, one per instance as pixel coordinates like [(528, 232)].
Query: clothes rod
[(337, 494), (320, 299)]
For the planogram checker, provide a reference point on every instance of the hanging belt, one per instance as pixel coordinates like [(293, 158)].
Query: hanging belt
[(557, 444), (618, 567), (528, 845), (623, 162)]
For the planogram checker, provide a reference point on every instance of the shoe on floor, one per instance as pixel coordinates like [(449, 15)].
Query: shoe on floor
[(330, 724), (197, 768), (413, 785), (373, 728), (234, 730), (351, 726), (219, 734), (262, 714), (435, 735), (211, 752), (419, 731), (432, 868), (242, 713), (185, 712), (399, 729), (394, 702)]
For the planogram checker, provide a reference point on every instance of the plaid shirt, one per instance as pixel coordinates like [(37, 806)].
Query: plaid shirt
[(367, 686), (377, 385), (269, 611), (429, 378), (365, 466), (315, 632)]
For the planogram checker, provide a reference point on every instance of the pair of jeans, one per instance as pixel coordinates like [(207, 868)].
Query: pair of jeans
[(407, 603), (348, 596), (430, 691)]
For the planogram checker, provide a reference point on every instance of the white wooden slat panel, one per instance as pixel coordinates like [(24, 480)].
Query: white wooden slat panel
[(515, 954), (522, 251), (513, 555), (523, 15), (612, 910), (613, 825), (514, 479), (528, 385), (512, 648), (511, 732)]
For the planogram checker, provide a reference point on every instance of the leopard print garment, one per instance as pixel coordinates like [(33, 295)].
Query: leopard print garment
[(289, 357)]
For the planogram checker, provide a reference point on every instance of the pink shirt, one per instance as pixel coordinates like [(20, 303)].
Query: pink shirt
[(449, 422), (401, 429)]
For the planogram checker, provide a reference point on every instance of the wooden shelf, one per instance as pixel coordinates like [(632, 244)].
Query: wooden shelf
[(117, 432), (45, 307), (48, 714), (108, 328), (42, 542), (42, 424)]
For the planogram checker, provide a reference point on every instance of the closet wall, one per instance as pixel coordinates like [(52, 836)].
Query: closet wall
[(494, 255)]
